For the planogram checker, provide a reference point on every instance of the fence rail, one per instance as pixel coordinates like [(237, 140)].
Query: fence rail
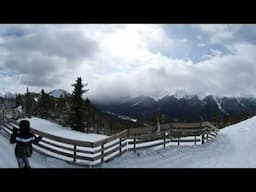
[(94, 153)]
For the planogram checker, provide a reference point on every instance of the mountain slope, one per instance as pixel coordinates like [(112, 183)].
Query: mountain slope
[(184, 107), (57, 93)]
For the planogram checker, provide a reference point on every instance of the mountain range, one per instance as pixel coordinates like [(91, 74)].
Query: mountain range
[(177, 106), (184, 107), (57, 93)]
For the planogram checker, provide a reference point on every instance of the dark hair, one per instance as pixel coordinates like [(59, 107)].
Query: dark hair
[(24, 127)]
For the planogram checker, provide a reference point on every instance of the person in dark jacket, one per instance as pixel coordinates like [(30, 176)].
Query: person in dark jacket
[(24, 139)]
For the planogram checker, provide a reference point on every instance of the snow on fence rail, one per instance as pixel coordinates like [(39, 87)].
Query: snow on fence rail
[(172, 132), (94, 153)]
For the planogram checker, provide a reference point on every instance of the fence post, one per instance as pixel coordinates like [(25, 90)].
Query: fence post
[(207, 137), (102, 152), (134, 143), (164, 139), (195, 139), (179, 140), (74, 159), (120, 144), (202, 138)]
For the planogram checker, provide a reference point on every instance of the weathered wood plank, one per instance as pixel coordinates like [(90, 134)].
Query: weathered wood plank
[(107, 147), (57, 145), (148, 140), (185, 140), (141, 130), (111, 138), (107, 153), (55, 150), (186, 125), (152, 145), (61, 139)]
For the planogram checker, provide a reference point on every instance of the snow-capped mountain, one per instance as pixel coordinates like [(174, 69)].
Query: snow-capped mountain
[(57, 93), (4, 93), (182, 106), (182, 94)]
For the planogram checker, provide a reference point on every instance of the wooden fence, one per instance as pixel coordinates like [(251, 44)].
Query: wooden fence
[(94, 153)]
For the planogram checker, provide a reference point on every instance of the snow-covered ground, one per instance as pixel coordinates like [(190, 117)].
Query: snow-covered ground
[(234, 147), (55, 129), (8, 160)]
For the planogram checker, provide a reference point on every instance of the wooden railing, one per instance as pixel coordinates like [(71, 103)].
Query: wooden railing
[(197, 133), (76, 151), (94, 153)]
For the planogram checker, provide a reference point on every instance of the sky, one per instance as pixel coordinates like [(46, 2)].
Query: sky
[(129, 60)]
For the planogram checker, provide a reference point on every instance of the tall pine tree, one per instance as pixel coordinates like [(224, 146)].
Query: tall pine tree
[(28, 104), (43, 104), (77, 117), (18, 100)]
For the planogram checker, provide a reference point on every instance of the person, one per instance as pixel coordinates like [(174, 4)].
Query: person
[(24, 139)]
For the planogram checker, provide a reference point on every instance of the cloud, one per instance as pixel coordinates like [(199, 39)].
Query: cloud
[(128, 60), (42, 56), (231, 75), (69, 45), (219, 32)]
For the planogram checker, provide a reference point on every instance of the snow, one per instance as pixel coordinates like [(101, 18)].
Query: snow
[(238, 100), (201, 95), (127, 118), (7, 93), (55, 129), (182, 94), (8, 159), (58, 92), (19, 109), (179, 94), (234, 147), (138, 102), (124, 117), (218, 102), (36, 99)]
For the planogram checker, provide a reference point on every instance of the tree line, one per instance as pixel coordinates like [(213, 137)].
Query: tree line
[(71, 110)]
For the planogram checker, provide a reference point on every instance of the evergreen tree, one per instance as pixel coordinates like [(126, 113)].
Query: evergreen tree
[(154, 118), (28, 104), (18, 100), (61, 105), (43, 104), (77, 117)]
